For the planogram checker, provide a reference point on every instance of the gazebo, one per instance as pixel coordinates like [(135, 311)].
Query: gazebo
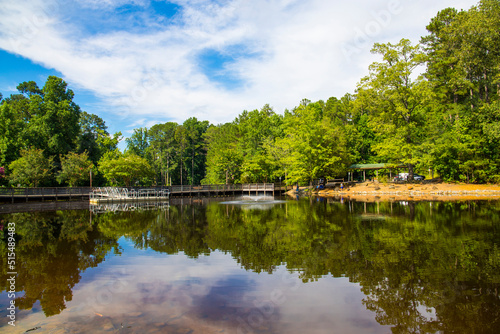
[(376, 167)]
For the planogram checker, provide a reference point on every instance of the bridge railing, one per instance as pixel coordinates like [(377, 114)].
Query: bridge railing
[(258, 186), (206, 188), (223, 187), (132, 192), (54, 192), (45, 191)]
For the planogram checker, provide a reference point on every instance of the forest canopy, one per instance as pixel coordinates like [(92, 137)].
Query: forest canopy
[(444, 119)]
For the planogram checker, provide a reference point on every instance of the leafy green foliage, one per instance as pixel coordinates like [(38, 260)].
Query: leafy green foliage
[(223, 157), (121, 169), (162, 150), (58, 123), (138, 143), (93, 131), (463, 66), (317, 146), (31, 169), (195, 167), (13, 126), (397, 102), (2, 172), (75, 169)]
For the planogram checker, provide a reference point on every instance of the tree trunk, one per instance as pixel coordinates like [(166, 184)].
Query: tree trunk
[(412, 207), (181, 170), (410, 172), (486, 96), (168, 166), (471, 97)]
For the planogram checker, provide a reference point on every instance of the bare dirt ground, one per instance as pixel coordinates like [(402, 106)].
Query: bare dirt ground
[(373, 191)]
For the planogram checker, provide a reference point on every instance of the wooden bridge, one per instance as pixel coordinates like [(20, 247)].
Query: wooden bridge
[(43, 193), (223, 189), (66, 193)]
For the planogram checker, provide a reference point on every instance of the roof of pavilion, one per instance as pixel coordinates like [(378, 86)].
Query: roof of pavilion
[(376, 166)]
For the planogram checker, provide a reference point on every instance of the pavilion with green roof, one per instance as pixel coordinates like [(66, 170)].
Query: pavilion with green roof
[(376, 167)]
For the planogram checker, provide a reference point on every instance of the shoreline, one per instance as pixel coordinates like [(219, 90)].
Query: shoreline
[(374, 191)]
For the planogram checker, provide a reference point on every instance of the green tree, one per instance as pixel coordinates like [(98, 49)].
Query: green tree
[(162, 149), (58, 124), (138, 142), (463, 66), (256, 128), (196, 149), (75, 169), (223, 157), (31, 169), (92, 127), (46, 119), (12, 127), (181, 138), (397, 102), (316, 145), (446, 77), (29, 88), (125, 169), (107, 143)]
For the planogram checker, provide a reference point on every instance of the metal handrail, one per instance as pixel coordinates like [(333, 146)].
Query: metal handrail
[(43, 191), (126, 193)]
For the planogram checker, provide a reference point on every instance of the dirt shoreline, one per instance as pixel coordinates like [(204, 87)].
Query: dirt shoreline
[(373, 191)]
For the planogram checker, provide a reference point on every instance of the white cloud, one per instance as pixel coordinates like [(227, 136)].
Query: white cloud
[(306, 49), (110, 3), (146, 291)]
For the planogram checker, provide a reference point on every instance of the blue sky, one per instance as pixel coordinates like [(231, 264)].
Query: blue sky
[(141, 62)]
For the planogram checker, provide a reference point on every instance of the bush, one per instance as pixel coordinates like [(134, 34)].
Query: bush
[(31, 169), (383, 179)]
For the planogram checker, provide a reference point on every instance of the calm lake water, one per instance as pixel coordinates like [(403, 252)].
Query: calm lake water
[(304, 266)]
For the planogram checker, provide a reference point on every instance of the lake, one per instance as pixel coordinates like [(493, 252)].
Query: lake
[(256, 265)]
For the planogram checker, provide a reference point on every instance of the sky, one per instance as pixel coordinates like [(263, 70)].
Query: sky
[(136, 63)]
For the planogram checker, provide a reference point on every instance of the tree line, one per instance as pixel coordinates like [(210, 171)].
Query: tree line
[(434, 105)]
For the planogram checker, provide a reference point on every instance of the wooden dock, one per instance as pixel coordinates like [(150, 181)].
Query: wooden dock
[(223, 189), (43, 194), (16, 195)]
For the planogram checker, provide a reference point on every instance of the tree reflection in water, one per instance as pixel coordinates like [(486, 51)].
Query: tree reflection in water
[(423, 266), (52, 249)]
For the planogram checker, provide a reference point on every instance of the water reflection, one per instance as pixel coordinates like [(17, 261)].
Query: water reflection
[(255, 202), (52, 250), (368, 267), (128, 206)]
